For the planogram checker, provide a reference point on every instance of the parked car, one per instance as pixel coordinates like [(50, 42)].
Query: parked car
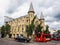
[(56, 37), (22, 39)]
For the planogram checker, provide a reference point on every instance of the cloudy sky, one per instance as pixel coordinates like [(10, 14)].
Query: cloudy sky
[(17, 8)]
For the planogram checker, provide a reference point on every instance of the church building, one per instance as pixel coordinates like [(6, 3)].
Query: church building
[(18, 25)]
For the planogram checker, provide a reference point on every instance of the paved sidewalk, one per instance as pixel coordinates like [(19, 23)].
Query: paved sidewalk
[(9, 39)]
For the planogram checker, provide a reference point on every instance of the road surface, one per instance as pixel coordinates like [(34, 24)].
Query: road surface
[(13, 42)]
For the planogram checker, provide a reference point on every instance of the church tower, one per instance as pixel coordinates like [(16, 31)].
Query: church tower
[(31, 12), (42, 21)]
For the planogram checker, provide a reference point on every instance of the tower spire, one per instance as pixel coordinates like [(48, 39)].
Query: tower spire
[(31, 9), (41, 17)]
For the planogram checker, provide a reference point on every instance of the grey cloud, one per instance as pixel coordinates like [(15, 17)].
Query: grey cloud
[(14, 4), (57, 17), (49, 21), (11, 10), (55, 27)]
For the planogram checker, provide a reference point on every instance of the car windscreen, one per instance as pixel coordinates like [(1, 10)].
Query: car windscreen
[(38, 35), (47, 36)]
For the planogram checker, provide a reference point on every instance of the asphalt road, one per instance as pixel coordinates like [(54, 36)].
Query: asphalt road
[(13, 42)]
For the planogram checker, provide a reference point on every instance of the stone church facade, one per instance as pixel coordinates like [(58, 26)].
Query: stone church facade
[(18, 25)]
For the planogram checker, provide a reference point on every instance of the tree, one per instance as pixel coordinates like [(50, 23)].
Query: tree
[(7, 28), (29, 30), (30, 27), (38, 29), (3, 31), (58, 31), (47, 30)]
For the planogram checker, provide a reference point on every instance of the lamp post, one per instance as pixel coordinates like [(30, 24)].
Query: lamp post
[(0, 32), (33, 35)]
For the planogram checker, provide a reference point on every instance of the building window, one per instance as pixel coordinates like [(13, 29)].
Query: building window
[(15, 29), (22, 28), (23, 20), (22, 25), (27, 20), (14, 35), (36, 22), (18, 28), (12, 29), (17, 35), (19, 21), (31, 15)]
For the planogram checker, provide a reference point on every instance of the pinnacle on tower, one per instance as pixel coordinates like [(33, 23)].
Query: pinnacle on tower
[(31, 9), (42, 17)]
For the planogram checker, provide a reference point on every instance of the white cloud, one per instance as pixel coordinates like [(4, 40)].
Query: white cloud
[(3, 6), (21, 11), (49, 19), (17, 8), (53, 25)]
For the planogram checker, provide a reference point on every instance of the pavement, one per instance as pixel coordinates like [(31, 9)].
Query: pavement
[(4, 41)]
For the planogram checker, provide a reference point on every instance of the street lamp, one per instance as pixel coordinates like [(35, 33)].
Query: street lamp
[(33, 32)]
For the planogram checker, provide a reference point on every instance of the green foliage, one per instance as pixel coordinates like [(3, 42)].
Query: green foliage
[(38, 29), (58, 31), (30, 28), (7, 28), (2, 30), (47, 30), (33, 20)]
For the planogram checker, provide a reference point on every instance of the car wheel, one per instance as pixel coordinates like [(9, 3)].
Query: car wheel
[(25, 41)]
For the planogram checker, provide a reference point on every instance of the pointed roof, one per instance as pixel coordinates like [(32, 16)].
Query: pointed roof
[(31, 9), (41, 17)]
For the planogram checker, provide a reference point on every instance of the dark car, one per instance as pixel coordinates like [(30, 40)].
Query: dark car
[(22, 39), (56, 37)]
